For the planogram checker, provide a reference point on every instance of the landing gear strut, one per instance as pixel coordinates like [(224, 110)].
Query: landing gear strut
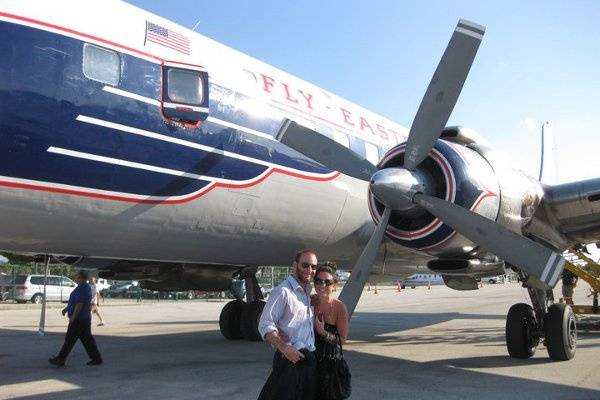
[(239, 319), (526, 326)]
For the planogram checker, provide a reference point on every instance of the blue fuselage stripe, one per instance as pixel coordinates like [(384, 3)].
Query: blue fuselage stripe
[(43, 91)]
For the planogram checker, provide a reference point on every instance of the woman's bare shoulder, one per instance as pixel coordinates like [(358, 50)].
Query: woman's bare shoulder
[(340, 306)]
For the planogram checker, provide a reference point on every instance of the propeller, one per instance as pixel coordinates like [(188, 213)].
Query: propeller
[(442, 93), (536, 259), (324, 150), (405, 188), (355, 284)]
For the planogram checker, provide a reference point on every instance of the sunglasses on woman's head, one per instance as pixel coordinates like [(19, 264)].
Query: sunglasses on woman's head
[(309, 265), (326, 282)]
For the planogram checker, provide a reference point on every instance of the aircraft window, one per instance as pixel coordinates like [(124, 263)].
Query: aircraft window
[(341, 138), (372, 153), (101, 64), (357, 145), (185, 86), (382, 152)]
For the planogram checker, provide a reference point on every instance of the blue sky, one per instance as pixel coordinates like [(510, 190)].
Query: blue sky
[(539, 61)]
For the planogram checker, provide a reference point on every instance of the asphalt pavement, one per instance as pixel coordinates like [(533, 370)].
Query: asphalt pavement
[(416, 344)]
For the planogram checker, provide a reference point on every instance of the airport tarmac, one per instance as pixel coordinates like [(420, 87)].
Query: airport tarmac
[(416, 344)]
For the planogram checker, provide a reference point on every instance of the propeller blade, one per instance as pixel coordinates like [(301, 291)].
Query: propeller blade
[(325, 150), (354, 286), (534, 258), (443, 91)]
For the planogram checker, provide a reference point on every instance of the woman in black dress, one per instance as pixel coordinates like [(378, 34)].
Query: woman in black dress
[(331, 329)]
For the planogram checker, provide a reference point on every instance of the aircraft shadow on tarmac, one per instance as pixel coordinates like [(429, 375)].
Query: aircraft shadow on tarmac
[(390, 328), (202, 364)]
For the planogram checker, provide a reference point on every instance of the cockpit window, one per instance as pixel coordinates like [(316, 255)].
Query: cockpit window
[(100, 64), (185, 87)]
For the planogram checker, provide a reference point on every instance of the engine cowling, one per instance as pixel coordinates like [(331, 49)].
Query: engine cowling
[(458, 175)]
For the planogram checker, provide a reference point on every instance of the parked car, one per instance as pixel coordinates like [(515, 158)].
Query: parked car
[(118, 290), (102, 284), (5, 286), (31, 288), (495, 279)]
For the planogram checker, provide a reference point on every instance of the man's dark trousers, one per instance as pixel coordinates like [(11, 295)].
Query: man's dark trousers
[(80, 329), (291, 381)]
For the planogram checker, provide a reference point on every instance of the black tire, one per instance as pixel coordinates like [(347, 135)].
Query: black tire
[(230, 320), (250, 316), (520, 327), (561, 332), (37, 298)]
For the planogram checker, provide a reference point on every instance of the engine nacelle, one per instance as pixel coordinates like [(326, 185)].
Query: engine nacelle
[(458, 175), (462, 267)]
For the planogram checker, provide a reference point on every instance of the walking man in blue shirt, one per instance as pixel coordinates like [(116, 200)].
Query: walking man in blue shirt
[(287, 324), (80, 323)]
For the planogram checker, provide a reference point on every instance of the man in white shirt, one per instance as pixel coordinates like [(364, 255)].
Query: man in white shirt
[(287, 324), (95, 298)]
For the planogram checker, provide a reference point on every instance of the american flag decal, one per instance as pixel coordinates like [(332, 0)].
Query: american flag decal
[(167, 38)]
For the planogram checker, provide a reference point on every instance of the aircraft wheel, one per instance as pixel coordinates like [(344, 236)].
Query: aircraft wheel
[(561, 332), (230, 320), (250, 318), (520, 327)]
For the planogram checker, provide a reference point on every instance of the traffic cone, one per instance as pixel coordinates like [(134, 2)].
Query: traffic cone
[(375, 291), (399, 289)]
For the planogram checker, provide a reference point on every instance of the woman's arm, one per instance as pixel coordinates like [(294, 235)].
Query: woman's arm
[(342, 321)]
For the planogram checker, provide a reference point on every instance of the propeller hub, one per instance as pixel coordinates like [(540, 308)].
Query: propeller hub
[(396, 187)]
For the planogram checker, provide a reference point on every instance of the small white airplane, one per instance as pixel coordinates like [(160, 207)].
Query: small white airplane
[(136, 146), (423, 280)]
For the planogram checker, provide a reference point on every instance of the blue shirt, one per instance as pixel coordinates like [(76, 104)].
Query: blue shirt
[(81, 294), (288, 309)]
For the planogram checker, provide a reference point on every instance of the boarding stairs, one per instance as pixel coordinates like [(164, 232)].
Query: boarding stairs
[(588, 270)]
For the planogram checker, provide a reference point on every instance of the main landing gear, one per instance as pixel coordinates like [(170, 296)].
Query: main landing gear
[(552, 323), (239, 319)]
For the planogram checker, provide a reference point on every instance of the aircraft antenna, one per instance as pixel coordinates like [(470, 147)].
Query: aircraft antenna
[(196, 25)]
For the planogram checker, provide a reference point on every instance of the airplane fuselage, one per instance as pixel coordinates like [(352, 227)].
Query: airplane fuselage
[(92, 167), (93, 164)]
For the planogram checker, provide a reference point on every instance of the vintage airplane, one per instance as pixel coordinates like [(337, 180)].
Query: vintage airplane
[(136, 146)]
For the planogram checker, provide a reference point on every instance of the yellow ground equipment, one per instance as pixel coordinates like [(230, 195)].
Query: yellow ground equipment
[(588, 270)]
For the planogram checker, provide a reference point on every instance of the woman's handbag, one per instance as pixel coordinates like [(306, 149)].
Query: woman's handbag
[(334, 374)]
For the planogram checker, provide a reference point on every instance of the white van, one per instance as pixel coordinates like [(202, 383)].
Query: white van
[(31, 288)]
